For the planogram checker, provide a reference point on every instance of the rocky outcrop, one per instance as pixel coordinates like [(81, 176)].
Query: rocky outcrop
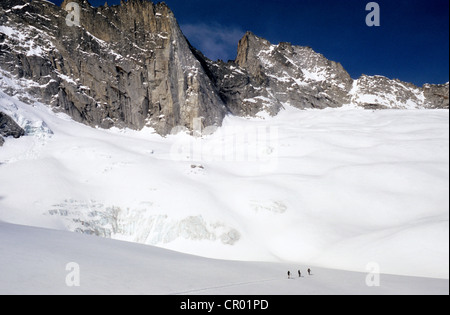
[(437, 96), (378, 92), (9, 128), (131, 66)]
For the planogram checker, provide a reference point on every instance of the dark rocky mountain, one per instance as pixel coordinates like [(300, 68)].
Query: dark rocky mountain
[(131, 66)]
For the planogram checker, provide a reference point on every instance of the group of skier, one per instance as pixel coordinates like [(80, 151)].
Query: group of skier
[(299, 273)]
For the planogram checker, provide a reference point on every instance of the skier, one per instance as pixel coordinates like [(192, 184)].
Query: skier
[(299, 274), (309, 271), (289, 275)]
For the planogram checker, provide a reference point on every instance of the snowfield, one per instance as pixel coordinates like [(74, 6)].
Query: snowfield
[(334, 189), (39, 261)]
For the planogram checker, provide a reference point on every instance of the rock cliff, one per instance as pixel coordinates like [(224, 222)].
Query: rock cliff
[(126, 66)]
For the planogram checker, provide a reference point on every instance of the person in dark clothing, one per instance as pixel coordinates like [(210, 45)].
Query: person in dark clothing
[(299, 274), (309, 271), (289, 275)]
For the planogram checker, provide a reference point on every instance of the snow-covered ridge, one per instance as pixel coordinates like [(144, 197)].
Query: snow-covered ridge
[(381, 92)]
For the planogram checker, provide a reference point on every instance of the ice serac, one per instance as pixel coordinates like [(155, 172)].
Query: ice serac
[(126, 66)]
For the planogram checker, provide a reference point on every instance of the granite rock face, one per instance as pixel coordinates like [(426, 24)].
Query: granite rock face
[(131, 66), (126, 66)]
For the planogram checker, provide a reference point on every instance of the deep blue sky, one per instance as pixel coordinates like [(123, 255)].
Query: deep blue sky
[(412, 43)]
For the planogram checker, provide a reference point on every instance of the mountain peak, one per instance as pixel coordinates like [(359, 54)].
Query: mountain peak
[(248, 47)]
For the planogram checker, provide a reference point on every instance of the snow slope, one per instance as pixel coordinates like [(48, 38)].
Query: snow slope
[(337, 188), (34, 261)]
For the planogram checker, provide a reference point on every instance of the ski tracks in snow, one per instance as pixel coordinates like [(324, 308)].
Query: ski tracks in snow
[(231, 285)]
